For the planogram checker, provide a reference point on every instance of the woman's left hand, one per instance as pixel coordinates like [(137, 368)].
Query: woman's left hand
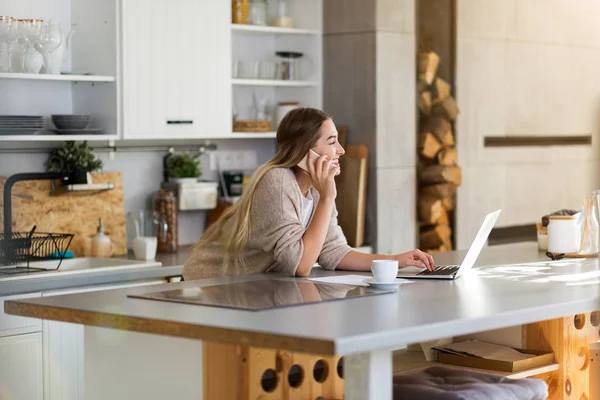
[(416, 258)]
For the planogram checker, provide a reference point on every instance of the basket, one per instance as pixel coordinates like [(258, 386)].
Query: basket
[(256, 126), (26, 247)]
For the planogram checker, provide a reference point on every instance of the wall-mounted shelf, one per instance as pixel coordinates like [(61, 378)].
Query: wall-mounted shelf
[(50, 77), (55, 138), (249, 135), (270, 82), (82, 187), (271, 30)]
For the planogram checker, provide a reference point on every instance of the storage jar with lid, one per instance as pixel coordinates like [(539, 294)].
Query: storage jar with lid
[(165, 204), (564, 234)]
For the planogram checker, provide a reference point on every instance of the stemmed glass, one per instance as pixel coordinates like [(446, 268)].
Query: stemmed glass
[(5, 24), (49, 40), (11, 39), (28, 37)]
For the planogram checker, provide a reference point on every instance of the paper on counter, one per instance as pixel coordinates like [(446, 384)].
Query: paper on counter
[(354, 280), (484, 350)]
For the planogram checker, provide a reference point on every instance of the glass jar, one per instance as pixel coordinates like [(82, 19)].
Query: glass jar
[(239, 9), (589, 235), (288, 65), (165, 205), (258, 12), (283, 19)]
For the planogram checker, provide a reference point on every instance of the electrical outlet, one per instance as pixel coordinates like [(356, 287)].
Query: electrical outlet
[(233, 160)]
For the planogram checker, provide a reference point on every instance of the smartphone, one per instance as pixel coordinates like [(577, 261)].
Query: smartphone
[(304, 162)]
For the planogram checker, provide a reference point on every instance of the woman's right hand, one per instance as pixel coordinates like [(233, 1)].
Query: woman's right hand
[(322, 173)]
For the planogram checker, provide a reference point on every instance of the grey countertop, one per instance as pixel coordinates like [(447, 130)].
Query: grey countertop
[(172, 265), (503, 291)]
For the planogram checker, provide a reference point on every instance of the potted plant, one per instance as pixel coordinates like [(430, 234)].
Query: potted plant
[(183, 168), (75, 161)]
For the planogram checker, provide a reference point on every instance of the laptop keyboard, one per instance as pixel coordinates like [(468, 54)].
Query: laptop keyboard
[(441, 270)]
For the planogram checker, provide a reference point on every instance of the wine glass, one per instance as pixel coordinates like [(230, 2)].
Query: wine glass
[(49, 39), (28, 36), (5, 23), (11, 39)]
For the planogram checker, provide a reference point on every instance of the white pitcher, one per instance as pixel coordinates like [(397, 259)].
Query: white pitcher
[(61, 53)]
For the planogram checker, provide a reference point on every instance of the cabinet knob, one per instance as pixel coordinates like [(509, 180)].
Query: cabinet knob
[(180, 122)]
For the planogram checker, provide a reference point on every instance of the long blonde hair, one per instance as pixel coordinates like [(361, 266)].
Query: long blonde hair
[(298, 132)]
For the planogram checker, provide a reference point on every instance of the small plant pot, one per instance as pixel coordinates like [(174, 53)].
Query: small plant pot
[(79, 176)]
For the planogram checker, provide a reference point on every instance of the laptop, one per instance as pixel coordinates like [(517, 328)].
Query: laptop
[(450, 272)]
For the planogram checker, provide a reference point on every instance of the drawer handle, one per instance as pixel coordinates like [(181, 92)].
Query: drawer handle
[(180, 122)]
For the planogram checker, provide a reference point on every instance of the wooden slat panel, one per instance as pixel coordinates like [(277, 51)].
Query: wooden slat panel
[(524, 141)]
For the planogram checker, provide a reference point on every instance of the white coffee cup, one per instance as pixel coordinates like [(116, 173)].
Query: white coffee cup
[(384, 270), (144, 247)]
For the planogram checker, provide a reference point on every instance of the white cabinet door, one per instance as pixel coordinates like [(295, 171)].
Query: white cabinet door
[(63, 349), (21, 367), (175, 72), (217, 63), (13, 325)]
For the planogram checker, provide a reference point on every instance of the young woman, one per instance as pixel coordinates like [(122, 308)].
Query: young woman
[(286, 219)]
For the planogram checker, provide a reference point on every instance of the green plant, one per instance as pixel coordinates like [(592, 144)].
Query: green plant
[(73, 157), (183, 165)]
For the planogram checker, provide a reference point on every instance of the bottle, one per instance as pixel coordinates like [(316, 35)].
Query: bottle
[(101, 244)]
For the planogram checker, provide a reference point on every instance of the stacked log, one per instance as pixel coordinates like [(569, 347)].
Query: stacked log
[(438, 172)]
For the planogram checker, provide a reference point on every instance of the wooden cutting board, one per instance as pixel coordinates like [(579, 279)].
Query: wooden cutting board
[(352, 193), (74, 212)]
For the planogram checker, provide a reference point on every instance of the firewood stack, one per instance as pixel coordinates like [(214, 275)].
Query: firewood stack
[(438, 172)]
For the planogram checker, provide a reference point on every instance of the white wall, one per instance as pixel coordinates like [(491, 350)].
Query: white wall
[(526, 67)]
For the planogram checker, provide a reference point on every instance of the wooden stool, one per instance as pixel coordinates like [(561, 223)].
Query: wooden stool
[(249, 373)]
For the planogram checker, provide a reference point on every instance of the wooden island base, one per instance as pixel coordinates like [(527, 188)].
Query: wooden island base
[(248, 373), (569, 339)]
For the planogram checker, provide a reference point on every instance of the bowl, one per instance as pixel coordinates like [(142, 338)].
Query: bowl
[(70, 121)]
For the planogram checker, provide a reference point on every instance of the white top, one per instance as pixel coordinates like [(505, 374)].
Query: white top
[(307, 209)]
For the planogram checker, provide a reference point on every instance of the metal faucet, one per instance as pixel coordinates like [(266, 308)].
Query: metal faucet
[(28, 176)]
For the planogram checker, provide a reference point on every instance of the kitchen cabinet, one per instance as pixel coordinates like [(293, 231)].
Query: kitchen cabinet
[(12, 325), (90, 88), (176, 61), (21, 367), (63, 349)]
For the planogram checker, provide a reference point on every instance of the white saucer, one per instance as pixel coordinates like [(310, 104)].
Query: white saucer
[(383, 285)]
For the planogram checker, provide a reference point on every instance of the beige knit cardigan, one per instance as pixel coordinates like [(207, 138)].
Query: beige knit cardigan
[(275, 241)]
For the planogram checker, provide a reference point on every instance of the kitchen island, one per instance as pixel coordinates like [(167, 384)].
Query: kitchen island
[(138, 348)]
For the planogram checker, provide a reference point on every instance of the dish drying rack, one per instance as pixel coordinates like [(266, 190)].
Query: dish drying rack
[(25, 247), (22, 248)]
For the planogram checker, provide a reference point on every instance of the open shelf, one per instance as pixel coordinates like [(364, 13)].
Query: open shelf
[(55, 138), (413, 361), (271, 82), (50, 77), (271, 30), (251, 135)]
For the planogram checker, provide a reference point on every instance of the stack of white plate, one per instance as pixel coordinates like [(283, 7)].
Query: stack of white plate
[(21, 124)]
